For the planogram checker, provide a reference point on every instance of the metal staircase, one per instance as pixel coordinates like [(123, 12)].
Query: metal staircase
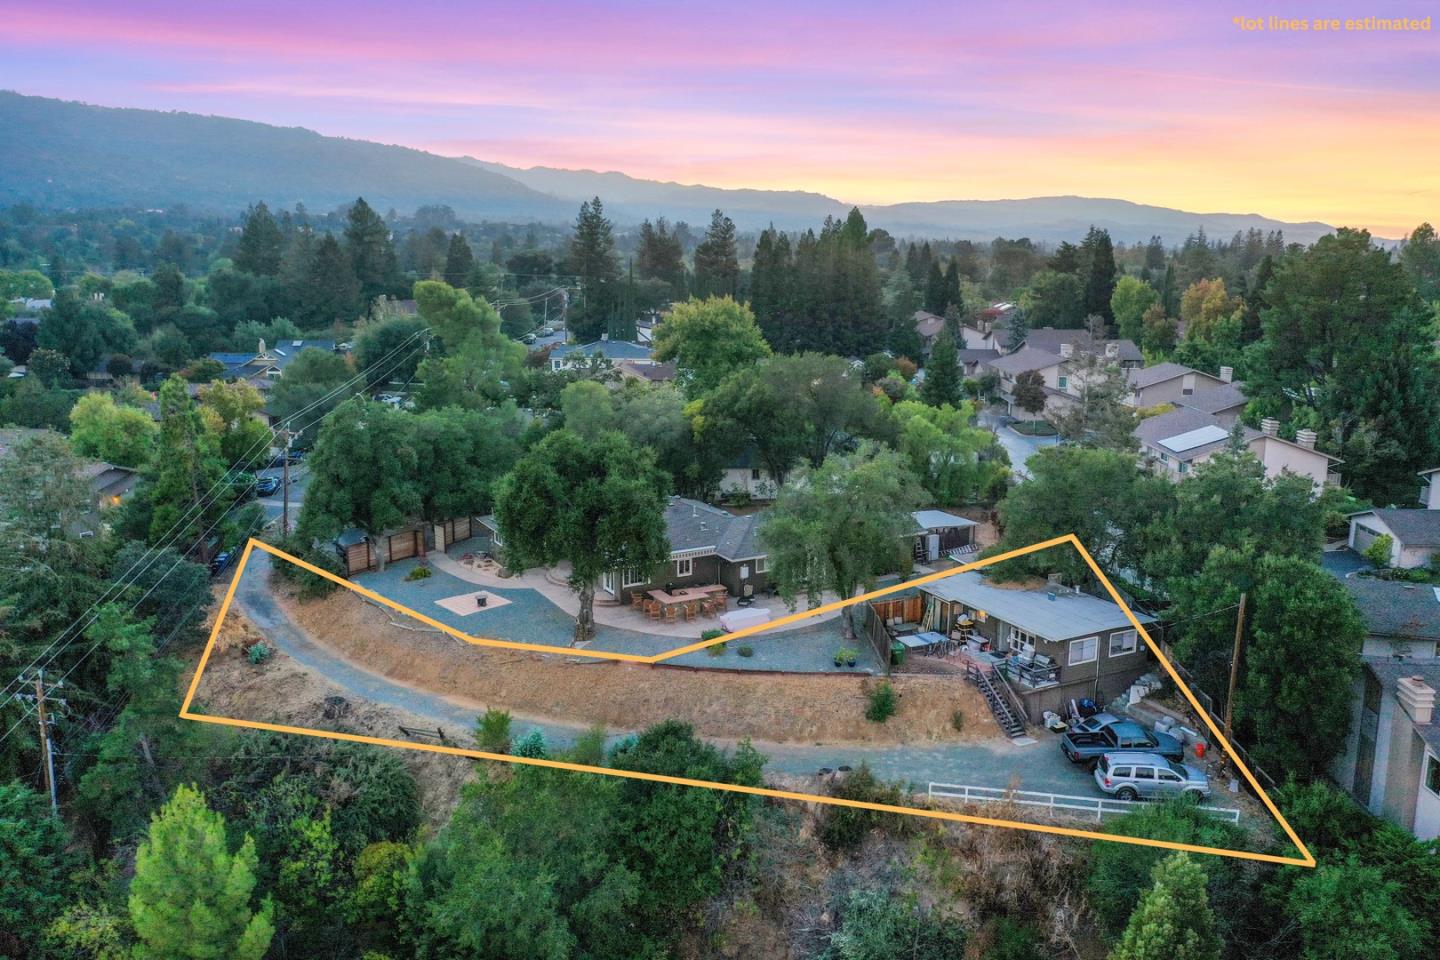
[(1005, 715)]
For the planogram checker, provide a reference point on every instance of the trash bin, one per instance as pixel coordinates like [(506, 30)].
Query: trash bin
[(897, 654)]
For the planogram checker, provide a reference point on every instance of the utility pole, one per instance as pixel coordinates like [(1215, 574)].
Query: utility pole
[(46, 747), (1235, 663), (285, 485)]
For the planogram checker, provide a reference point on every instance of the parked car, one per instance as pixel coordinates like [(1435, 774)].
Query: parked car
[(1088, 746), (266, 486), (1149, 776), (528, 338), (221, 561), (1098, 721)]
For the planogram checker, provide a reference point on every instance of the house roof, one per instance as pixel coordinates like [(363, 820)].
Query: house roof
[(1394, 608), (1138, 378), (654, 372), (279, 355), (940, 520), (1390, 672), (1069, 615), (1413, 528), (1426, 473), (692, 525), (1050, 339), (928, 324), (976, 356), (1027, 358), (1216, 399), (611, 349), (1183, 422)]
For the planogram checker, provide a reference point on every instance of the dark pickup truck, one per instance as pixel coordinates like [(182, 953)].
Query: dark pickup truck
[(1088, 746)]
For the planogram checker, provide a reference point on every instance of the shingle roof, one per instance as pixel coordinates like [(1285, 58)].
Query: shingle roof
[(1393, 608), (1216, 399), (1142, 377), (692, 525), (1028, 358), (1153, 430), (976, 356), (1069, 615), (928, 324), (1413, 528), (1050, 339)]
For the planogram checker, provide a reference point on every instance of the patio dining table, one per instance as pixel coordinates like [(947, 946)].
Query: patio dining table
[(925, 642)]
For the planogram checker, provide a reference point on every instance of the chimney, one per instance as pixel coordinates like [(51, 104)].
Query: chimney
[(1306, 438), (1418, 699), (1227, 374), (1270, 426), (1112, 350), (1067, 350)]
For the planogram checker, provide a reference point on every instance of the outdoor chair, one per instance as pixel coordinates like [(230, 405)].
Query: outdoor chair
[(670, 613), (637, 601)]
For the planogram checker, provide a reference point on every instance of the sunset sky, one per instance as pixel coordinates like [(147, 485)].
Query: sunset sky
[(869, 102)]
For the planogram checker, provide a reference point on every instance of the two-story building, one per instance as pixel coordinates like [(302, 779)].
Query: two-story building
[(1175, 443)]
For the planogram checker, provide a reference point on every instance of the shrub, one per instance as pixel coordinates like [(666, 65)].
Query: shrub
[(957, 720), (746, 651), (492, 732), (1378, 553), (716, 649), (419, 573), (882, 704), (875, 925), (258, 653), (845, 827), (532, 745), (712, 634)]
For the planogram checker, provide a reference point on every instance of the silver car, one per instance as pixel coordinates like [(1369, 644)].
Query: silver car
[(1149, 776)]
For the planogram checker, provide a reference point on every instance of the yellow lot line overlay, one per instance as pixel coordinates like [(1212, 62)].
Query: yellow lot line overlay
[(1305, 860)]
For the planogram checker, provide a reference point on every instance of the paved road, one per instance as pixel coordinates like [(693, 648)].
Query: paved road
[(1020, 447), (1038, 766)]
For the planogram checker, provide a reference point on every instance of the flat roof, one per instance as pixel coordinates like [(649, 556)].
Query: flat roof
[(939, 519), (1069, 615), (1190, 439)]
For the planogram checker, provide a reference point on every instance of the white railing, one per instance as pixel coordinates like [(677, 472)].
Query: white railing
[(1097, 807)]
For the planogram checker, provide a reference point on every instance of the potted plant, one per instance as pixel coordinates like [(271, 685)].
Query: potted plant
[(845, 657), (850, 656), (840, 657)]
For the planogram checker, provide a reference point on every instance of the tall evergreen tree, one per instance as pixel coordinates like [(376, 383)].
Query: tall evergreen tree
[(942, 372), (592, 259), (717, 268), (659, 256), (260, 244), (935, 289), (459, 260), (332, 293), (185, 470), (772, 287), (1098, 261), (372, 255)]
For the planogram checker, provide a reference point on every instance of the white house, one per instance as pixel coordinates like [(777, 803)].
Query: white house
[(1175, 443), (1430, 488)]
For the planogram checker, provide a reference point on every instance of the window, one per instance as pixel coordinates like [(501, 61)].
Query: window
[(754, 473), (1144, 773), (1022, 641), (1122, 642), (1432, 775), (607, 581), (1167, 776), (1187, 391), (1184, 467), (1062, 381), (759, 564), (1083, 650), (684, 568), (632, 577), (1123, 773), (1164, 457)]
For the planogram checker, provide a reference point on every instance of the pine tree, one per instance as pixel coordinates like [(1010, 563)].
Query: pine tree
[(185, 469), (935, 289), (1173, 920), (592, 259), (459, 260), (372, 256), (190, 898), (260, 243), (942, 372), (1098, 262), (659, 256), (772, 279), (717, 268), (332, 291)]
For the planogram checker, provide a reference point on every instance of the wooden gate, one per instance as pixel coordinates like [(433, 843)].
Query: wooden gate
[(404, 545), (357, 558), (456, 530)]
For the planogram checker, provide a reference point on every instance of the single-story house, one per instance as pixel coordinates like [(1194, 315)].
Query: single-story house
[(567, 355), (646, 371), (1430, 488), (1391, 760), (707, 545), (1167, 382), (746, 474), (938, 532), (266, 363), (1414, 534), (1052, 643), (1176, 442), (109, 483)]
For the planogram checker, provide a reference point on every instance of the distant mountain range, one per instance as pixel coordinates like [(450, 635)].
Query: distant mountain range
[(65, 154)]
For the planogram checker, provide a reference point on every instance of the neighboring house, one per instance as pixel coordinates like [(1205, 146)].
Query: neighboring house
[(928, 327), (990, 330), (1402, 620), (102, 372), (1414, 534), (1053, 643), (646, 371), (109, 483), (937, 533), (1430, 488), (1175, 443), (30, 308), (263, 367), (1051, 340), (972, 361), (1391, 759), (1225, 403), (567, 355), (1010, 366), (746, 474), (1168, 383), (707, 545)]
